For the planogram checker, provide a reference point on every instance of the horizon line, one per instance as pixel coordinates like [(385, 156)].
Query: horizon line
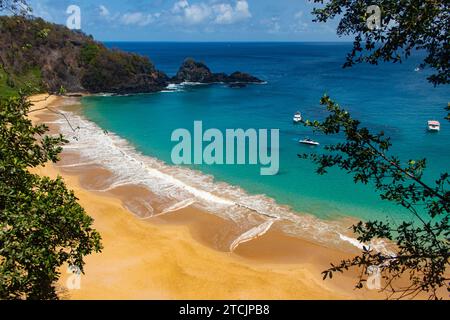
[(227, 41)]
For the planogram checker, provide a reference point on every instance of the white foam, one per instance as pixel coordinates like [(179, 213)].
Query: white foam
[(354, 242), (177, 206), (189, 83), (377, 245), (251, 234), (78, 164), (173, 87)]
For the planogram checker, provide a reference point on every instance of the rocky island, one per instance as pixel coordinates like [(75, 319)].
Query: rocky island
[(193, 71), (40, 56)]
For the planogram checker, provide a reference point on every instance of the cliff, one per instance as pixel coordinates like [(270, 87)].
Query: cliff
[(61, 59)]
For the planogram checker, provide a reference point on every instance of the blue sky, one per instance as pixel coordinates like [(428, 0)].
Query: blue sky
[(192, 20)]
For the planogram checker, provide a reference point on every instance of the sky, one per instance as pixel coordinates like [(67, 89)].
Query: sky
[(192, 20)]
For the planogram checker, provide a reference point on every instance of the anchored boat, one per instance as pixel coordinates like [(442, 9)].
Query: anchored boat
[(297, 117), (309, 142), (434, 126)]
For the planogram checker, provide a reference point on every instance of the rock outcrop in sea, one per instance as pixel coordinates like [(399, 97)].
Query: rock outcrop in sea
[(198, 72)]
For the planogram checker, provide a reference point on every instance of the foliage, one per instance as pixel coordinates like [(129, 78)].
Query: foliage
[(448, 109), (29, 82), (62, 91), (421, 255), (27, 44), (89, 52), (42, 226), (15, 6), (406, 25), (6, 85), (72, 59), (43, 34), (110, 70)]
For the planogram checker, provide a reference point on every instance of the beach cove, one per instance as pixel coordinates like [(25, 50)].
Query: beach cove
[(180, 255)]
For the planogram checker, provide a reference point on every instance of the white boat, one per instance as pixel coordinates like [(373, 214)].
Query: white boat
[(297, 117), (434, 125), (309, 142)]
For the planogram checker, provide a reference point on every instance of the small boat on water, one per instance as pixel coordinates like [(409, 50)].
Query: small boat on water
[(297, 117), (434, 126), (309, 142)]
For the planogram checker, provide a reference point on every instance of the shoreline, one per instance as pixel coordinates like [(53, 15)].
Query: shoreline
[(166, 187), (181, 254)]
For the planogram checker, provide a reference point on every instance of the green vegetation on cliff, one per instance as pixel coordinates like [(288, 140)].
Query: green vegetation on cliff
[(30, 82)]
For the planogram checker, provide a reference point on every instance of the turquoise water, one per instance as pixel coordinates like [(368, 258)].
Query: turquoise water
[(392, 98)]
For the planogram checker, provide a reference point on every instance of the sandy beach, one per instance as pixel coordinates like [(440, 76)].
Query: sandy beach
[(181, 255)]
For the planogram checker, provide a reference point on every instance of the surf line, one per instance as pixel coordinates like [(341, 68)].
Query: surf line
[(79, 164), (252, 234), (257, 211), (177, 206)]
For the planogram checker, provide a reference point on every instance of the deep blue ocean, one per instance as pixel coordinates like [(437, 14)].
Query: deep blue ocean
[(393, 98)]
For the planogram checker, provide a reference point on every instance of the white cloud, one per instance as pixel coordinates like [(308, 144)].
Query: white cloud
[(226, 14), (206, 13), (197, 13), (299, 24), (273, 25), (219, 13), (104, 12), (191, 14), (299, 15), (180, 5), (139, 18)]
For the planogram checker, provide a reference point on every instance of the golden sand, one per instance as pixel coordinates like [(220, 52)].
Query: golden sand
[(181, 255)]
